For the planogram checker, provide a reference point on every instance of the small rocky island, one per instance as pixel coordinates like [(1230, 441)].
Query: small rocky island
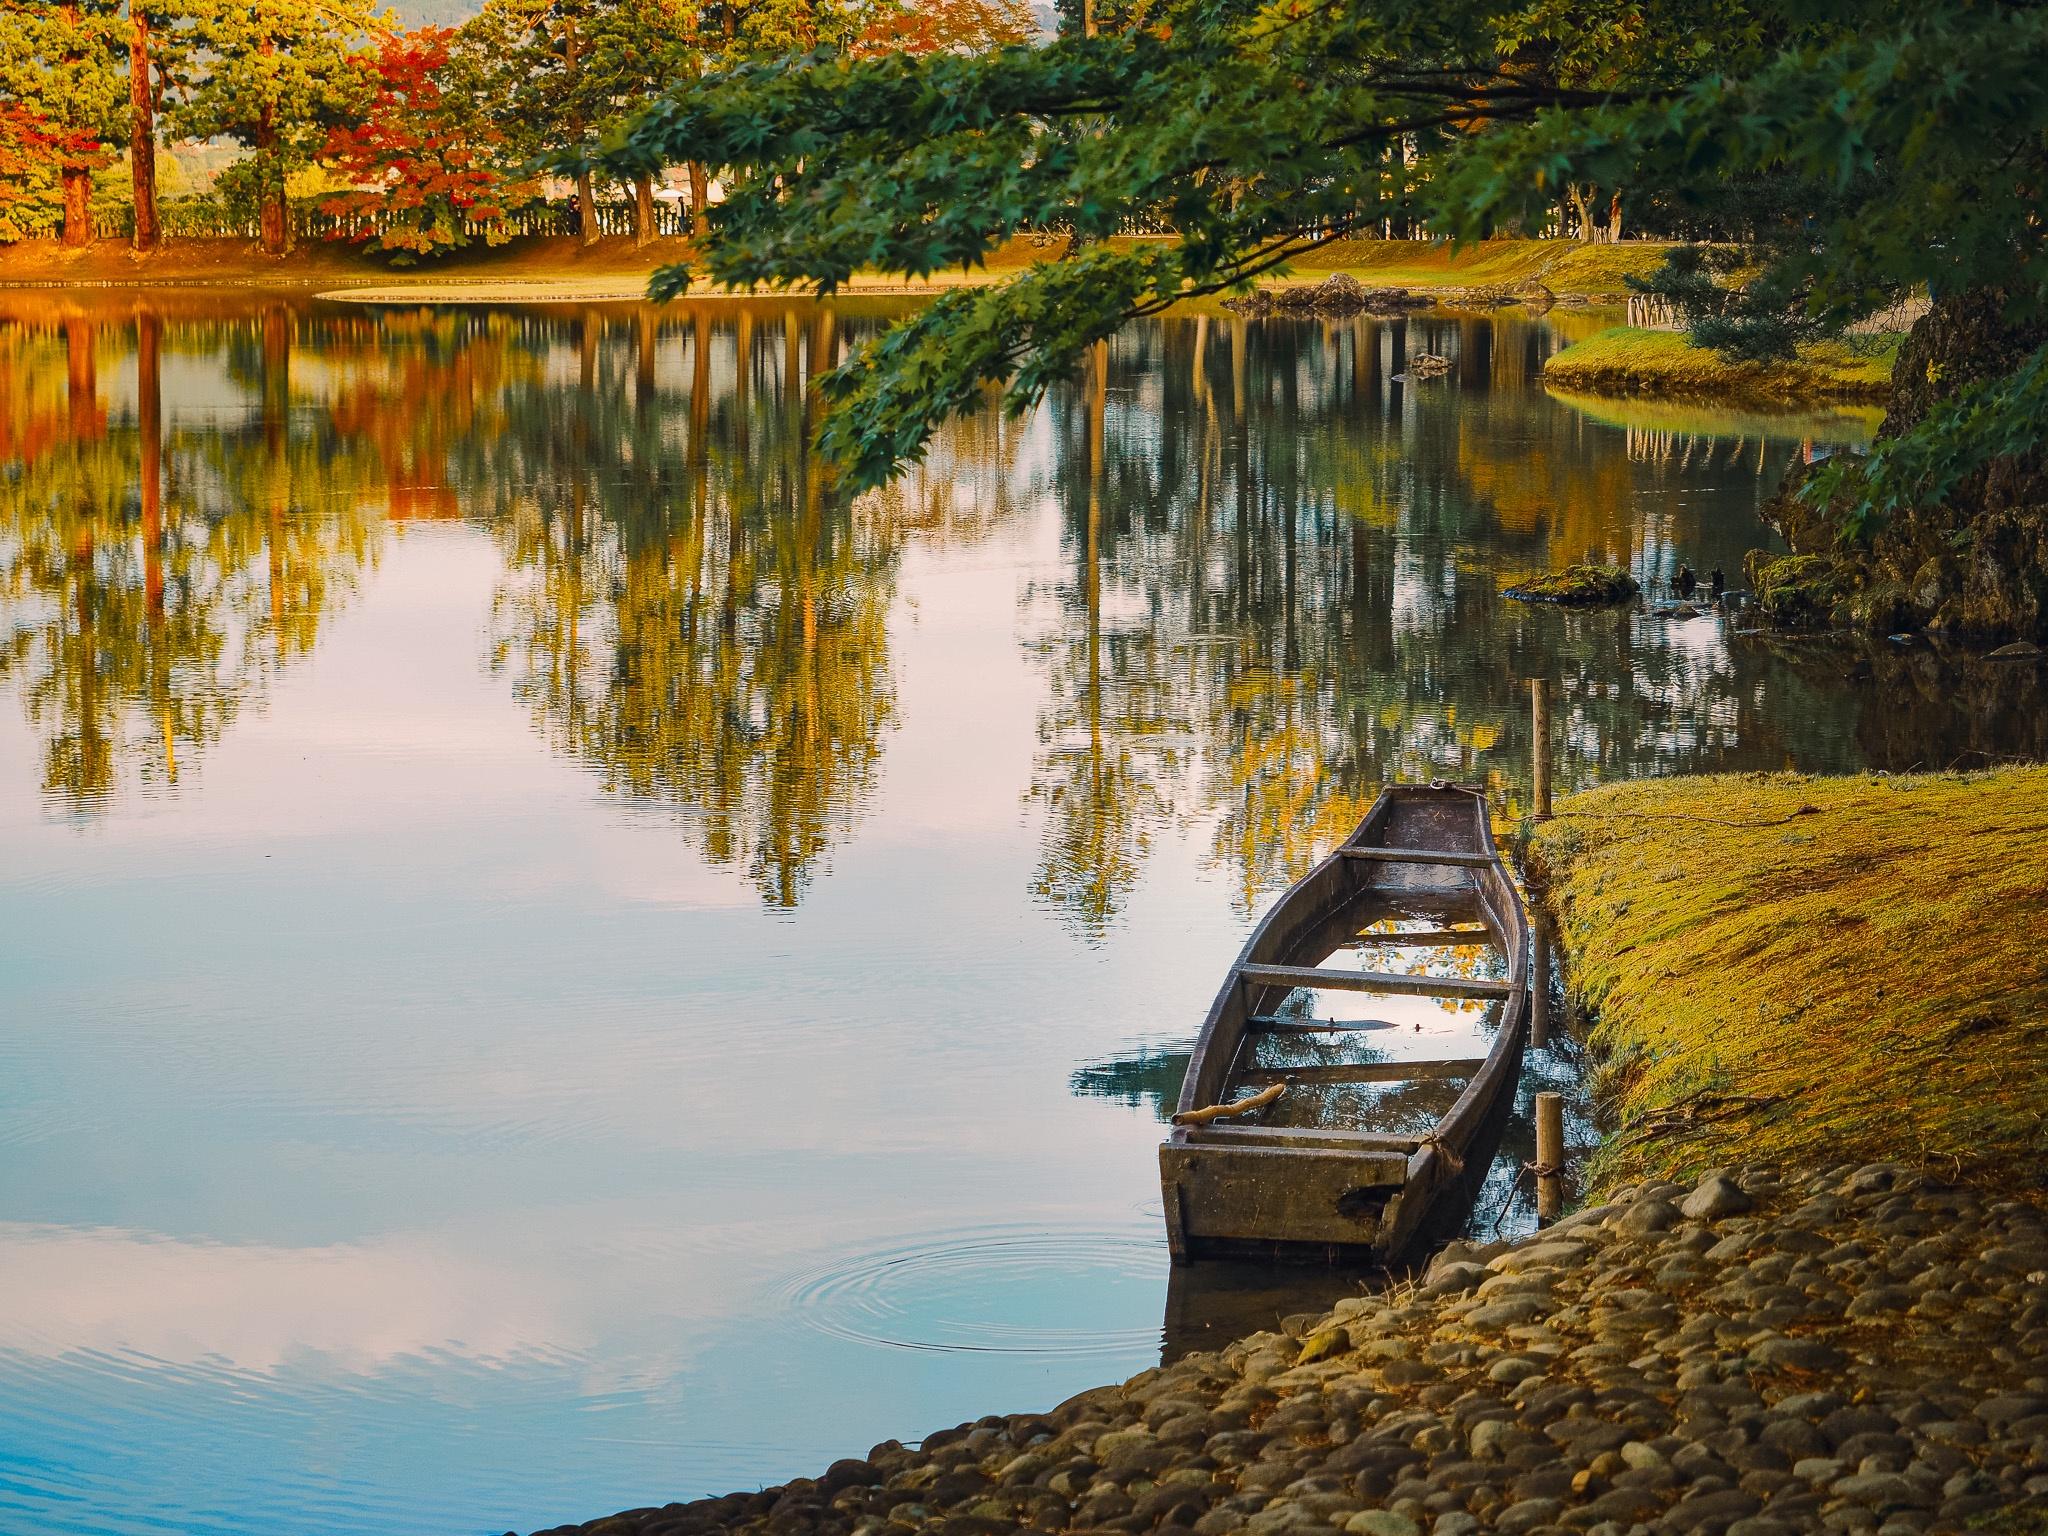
[(1578, 586)]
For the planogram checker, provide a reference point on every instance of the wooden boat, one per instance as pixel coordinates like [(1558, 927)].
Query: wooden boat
[(1277, 1158)]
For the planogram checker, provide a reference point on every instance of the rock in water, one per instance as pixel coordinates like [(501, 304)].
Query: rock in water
[(2019, 650), (1479, 298), (1339, 294), (1394, 301), (1578, 586)]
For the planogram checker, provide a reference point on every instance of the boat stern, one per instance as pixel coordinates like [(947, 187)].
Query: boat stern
[(1283, 1202)]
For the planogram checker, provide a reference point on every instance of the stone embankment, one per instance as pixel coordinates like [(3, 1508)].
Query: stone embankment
[(1855, 1350)]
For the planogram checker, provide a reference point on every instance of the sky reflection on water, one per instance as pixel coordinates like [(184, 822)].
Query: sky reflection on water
[(552, 961)]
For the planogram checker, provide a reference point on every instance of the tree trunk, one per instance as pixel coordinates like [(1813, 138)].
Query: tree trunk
[(78, 230), (1614, 219), (586, 196), (700, 198), (277, 402), (82, 379), (76, 179), (643, 209), (1969, 563), (1582, 212), (142, 129), (646, 337), (276, 232)]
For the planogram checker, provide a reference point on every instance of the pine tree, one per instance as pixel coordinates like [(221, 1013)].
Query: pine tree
[(276, 76), (635, 49)]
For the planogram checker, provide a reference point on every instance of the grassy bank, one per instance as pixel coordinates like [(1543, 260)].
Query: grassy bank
[(615, 267), (1818, 970), (1563, 266), (1628, 361), (241, 262)]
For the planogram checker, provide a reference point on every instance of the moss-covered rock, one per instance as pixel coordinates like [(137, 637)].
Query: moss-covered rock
[(1798, 591), (1976, 565), (1578, 586)]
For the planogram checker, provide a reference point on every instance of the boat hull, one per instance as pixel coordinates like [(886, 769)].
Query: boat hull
[(1333, 1193)]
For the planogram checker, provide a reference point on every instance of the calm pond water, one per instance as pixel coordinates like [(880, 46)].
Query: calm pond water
[(550, 961)]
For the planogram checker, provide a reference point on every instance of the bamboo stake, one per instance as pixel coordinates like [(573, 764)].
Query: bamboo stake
[(1258, 1100), (1549, 1157), (1539, 724)]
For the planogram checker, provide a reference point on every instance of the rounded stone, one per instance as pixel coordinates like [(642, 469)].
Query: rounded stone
[(1647, 1217), (1715, 1196), (1381, 1522)]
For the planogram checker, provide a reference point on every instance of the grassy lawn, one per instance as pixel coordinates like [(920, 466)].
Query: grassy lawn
[(611, 266), (1564, 266), (1626, 361), (1819, 970)]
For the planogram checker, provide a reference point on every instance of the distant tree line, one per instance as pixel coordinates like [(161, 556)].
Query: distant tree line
[(417, 140)]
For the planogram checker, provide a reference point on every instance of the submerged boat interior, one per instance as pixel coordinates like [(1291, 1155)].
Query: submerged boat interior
[(1372, 1021)]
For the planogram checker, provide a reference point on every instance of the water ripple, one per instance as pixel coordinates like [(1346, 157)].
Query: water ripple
[(1017, 1290)]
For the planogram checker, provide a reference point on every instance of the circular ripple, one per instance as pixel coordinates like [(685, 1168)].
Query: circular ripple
[(997, 1290)]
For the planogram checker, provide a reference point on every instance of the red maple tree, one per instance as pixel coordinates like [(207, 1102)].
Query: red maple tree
[(947, 26), (33, 150), (429, 170)]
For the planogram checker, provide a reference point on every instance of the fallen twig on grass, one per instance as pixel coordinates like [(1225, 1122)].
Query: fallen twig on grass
[(1693, 1113)]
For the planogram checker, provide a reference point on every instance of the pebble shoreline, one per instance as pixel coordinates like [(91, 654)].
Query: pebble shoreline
[(1849, 1350)]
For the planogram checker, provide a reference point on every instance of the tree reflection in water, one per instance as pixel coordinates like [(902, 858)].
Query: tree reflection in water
[(154, 580), (1277, 584), (696, 613)]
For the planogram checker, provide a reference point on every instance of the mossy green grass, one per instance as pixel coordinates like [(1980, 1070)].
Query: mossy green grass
[(1565, 267), (1811, 970), (1626, 360)]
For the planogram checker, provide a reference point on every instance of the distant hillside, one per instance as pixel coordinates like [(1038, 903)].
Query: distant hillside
[(453, 13), (440, 13)]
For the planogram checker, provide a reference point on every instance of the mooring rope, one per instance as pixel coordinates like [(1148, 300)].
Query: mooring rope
[(1451, 1159)]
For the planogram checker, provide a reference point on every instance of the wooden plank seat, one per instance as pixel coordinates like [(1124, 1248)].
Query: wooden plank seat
[(1389, 982), (1363, 1072), (1427, 937), (1420, 856)]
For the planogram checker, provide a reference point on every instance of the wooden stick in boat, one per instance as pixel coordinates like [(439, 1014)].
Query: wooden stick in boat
[(1258, 1100)]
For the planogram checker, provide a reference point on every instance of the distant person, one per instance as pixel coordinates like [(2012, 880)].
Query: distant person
[(1717, 583), (1685, 583)]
